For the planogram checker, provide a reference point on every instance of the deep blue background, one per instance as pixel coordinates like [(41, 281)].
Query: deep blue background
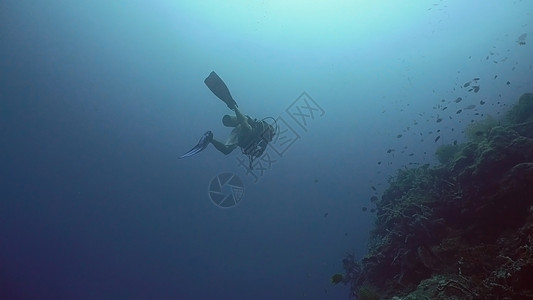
[(99, 98)]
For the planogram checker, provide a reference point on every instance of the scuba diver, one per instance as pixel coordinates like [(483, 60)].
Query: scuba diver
[(251, 135)]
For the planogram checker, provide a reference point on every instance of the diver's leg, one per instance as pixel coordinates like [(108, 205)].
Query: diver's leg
[(243, 120), (225, 149)]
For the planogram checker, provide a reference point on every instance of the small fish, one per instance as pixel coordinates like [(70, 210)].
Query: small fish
[(522, 39), (455, 142), (335, 279), (471, 106), (326, 214), (467, 84), (379, 163), (439, 120), (373, 199), (364, 208), (390, 150), (476, 79), (495, 76), (459, 99), (445, 107), (399, 136), (373, 187), (437, 138), (476, 88), (459, 111), (508, 83), (481, 102)]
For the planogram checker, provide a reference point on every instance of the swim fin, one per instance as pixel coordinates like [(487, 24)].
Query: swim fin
[(219, 88), (202, 144)]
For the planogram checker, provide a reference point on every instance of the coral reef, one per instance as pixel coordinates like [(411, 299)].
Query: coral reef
[(479, 130), (446, 153), (460, 230)]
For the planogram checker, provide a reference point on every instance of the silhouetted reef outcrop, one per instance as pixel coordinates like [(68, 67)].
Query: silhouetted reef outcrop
[(462, 229)]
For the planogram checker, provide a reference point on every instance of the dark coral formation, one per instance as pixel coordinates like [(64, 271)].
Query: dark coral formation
[(463, 229)]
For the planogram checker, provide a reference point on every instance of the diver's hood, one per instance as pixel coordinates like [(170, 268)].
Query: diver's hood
[(230, 121)]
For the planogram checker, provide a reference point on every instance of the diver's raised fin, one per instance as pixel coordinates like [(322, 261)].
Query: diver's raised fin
[(202, 144), (219, 88)]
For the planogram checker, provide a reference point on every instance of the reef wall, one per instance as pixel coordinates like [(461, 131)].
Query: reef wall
[(460, 230)]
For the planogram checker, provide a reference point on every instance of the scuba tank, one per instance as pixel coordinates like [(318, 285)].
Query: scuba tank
[(262, 134)]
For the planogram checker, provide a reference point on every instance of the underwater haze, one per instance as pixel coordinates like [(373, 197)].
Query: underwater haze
[(98, 99)]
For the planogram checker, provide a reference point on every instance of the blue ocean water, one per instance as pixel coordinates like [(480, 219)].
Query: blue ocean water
[(99, 98)]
